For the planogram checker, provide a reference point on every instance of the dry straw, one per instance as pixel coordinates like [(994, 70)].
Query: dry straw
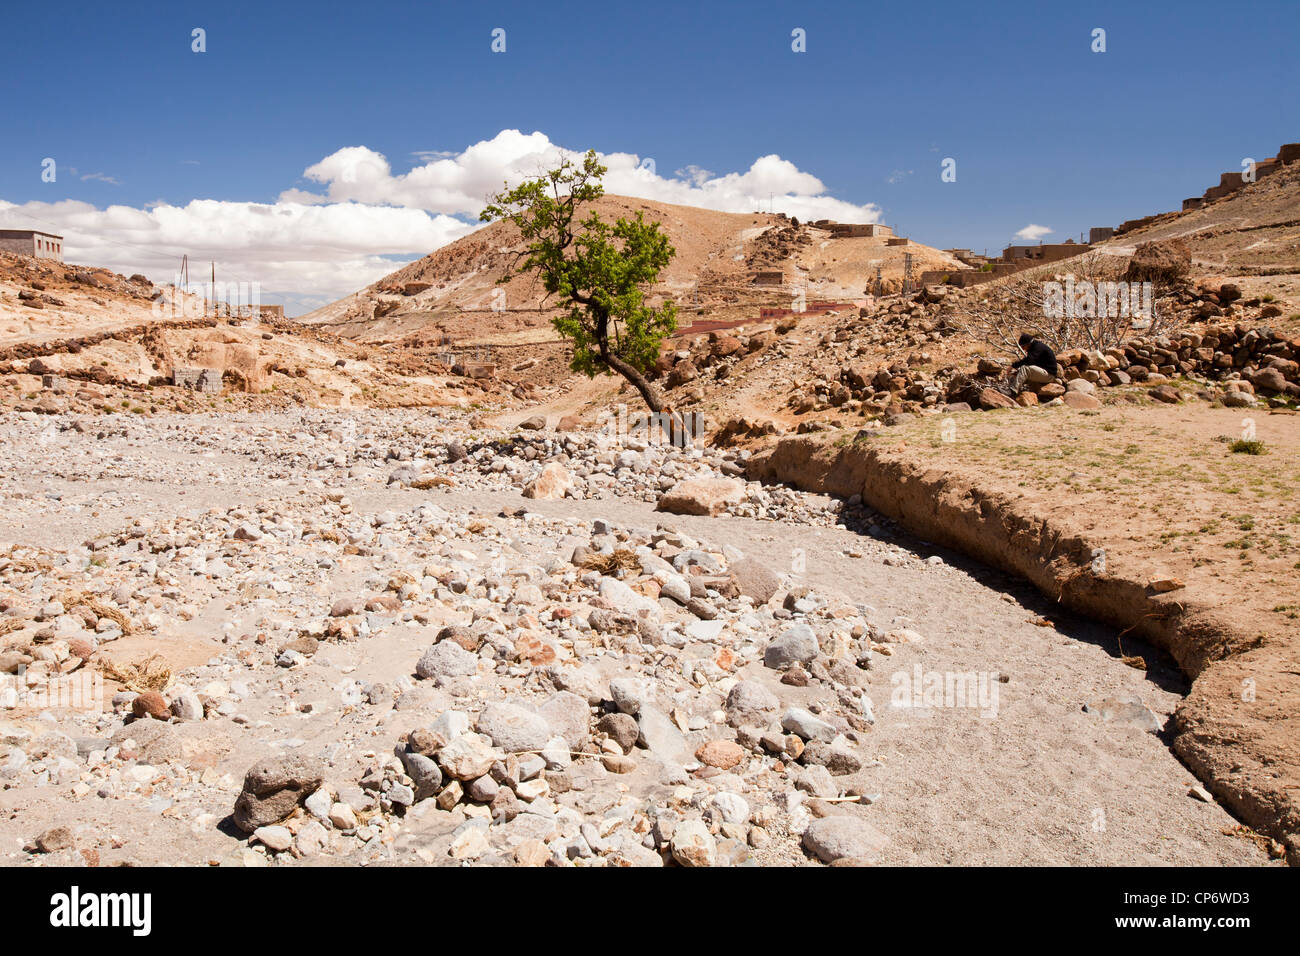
[(150, 674), (621, 560), (71, 599)]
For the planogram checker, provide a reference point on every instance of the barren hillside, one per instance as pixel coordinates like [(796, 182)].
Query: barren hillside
[(104, 341), (451, 293), (1255, 231)]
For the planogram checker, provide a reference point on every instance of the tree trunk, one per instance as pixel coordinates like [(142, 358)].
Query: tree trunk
[(674, 423), (648, 391)]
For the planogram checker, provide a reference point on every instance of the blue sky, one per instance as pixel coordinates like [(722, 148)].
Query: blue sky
[(1043, 130)]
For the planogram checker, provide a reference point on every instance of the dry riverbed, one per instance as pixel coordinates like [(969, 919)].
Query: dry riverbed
[(443, 671)]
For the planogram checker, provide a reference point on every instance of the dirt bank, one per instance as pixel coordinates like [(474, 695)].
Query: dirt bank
[(1237, 729)]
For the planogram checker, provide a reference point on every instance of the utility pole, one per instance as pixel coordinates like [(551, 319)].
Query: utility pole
[(213, 289)]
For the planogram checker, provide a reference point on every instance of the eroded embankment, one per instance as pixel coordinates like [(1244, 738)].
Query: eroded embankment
[(1236, 729)]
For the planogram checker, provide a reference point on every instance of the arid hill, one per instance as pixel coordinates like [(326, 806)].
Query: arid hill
[(453, 293), (106, 342), (1254, 231)]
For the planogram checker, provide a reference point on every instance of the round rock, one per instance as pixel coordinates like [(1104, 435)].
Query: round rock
[(839, 836), (514, 729)]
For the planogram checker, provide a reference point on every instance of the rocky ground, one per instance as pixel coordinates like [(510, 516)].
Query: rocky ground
[(405, 637)]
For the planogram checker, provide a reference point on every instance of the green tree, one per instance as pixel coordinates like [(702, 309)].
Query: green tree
[(597, 271)]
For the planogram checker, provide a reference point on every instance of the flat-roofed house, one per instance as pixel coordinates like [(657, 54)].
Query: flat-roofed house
[(29, 242)]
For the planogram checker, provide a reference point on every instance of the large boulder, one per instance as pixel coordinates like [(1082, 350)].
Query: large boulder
[(755, 579), (1268, 379), (796, 720), (749, 702), (553, 482), (702, 496), (1081, 400), (274, 788), (692, 845), (623, 599), (1163, 261), (991, 398), (569, 717), (512, 728), (841, 837), (682, 373), (798, 644), (446, 659), (659, 735), (467, 757), (726, 345)]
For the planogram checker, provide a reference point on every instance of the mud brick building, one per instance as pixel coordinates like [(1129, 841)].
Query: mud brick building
[(850, 230), (30, 242)]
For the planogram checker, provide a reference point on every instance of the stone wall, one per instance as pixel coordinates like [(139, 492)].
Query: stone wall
[(207, 380)]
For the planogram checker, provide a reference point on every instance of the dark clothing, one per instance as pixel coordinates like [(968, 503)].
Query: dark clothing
[(1039, 354)]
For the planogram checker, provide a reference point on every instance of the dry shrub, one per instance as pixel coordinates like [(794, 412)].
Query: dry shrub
[(620, 560), (1163, 261), (1270, 846), (71, 599), (1004, 309), (150, 674)]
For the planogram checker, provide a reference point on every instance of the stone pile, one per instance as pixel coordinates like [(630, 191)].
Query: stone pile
[(1235, 365)]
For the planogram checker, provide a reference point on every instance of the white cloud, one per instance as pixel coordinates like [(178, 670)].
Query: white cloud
[(361, 221), (459, 184), (303, 256), (1033, 233)]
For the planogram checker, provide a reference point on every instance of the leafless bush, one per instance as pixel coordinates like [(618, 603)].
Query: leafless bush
[(1080, 304)]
